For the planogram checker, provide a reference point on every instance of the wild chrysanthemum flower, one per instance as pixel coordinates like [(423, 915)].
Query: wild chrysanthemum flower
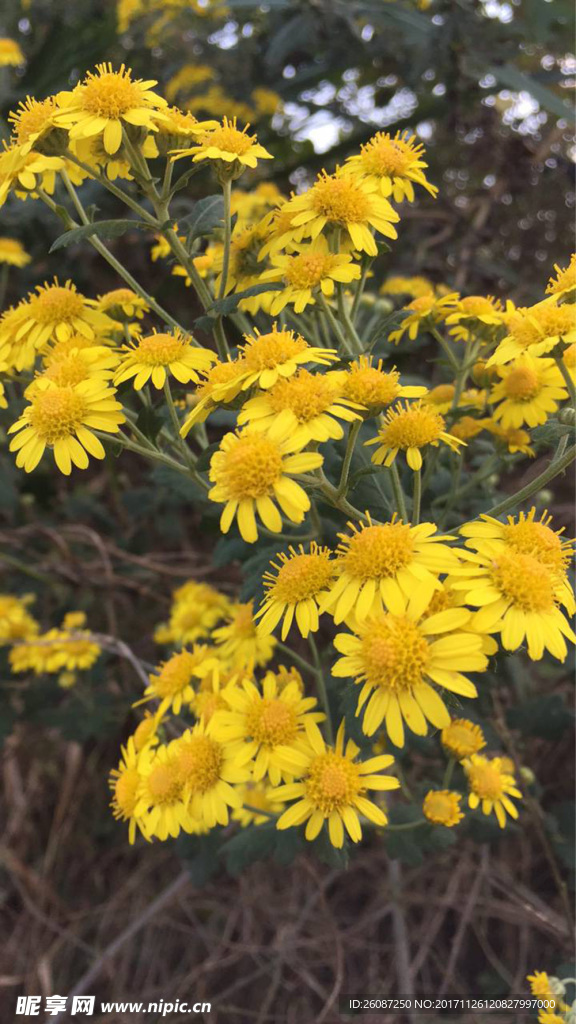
[(309, 405), (271, 727), (278, 229), (393, 163), (160, 808), (196, 609), (209, 772), (441, 398), (381, 566), (10, 53), (33, 121), (156, 356), (220, 385), (491, 787), (514, 439), (536, 331), (519, 597), (524, 534), (250, 207), (178, 128), (108, 102), (410, 428), (462, 738), (529, 392), (308, 271), (424, 310), (368, 384), (259, 803), (13, 253), (125, 782), (173, 683), (264, 359), (69, 647), (208, 694), (146, 732), (16, 623), (333, 789), (296, 589), (24, 172), (63, 419), (565, 281), (56, 312), (415, 287), (233, 148), (341, 201), (122, 304), (239, 642), (395, 658), (442, 807), (473, 316), (253, 471), (67, 363)]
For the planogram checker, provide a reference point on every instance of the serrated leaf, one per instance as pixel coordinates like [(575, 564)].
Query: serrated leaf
[(100, 228)]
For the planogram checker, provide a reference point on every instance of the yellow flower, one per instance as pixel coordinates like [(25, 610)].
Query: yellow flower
[(239, 642), (253, 471), (270, 727), (333, 790), (565, 281), (382, 567), (69, 647), (409, 429), (233, 148), (23, 172), (569, 357), (442, 807), (475, 316), (63, 419), (156, 356), (395, 657), (209, 772), (16, 623), (173, 683), (125, 782), (523, 534), (529, 392), (55, 313), (259, 802), (296, 589), (515, 440), (308, 269), (33, 122), (249, 207), (519, 597), (108, 102), (145, 733), (415, 287), (208, 696), (535, 331), (244, 271), (196, 608), (373, 387), (13, 253), (341, 201), (221, 384), (423, 311), (467, 428), (278, 229), (66, 363), (308, 405), (160, 808), (10, 53), (122, 304), (393, 163), (462, 738), (264, 359), (491, 787), (178, 128), (284, 676)]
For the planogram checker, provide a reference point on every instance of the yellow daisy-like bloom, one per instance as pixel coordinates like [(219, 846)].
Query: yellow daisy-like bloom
[(519, 597), (55, 313), (196, 609), (209, 772), (240, 643), (545, 987), (491, 787), (69, 648), (108, 102), (515, 440), (265, 359), (424, 310), (22, 172), (154, 357), (122, 304), (208, 695), (565, 281), (178, 128), (467, 428), (125, 782), (535, 331), (333, 790), (253, 472), (220, 385), (272, 728), (309, 405), (475, 316), (305, 271), (371, 386), (462, 738), (284, 676), (415, 287), (66, 363), (259, 803), (13, 253), (442, 807), (145, 733), (173, 683), (569, 358), (279, 231), (396, 658), (380, 567), (529, 391), (342, 201), (63, 419), (410, 428), (442, 398), (233, 148), (296, 589), (160, 807), (10, 53), (394, 164), (32, 122), (16, 623)]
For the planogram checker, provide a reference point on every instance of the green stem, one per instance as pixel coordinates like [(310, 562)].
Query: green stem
[(181, 443), (355, 341), (445, 348), (398, 493), (407, 825), (226, 192), (133, 204), (558, 465), (147, 453), (323, 693), (335, 326), (360, 289), (448, 773), (260, 810), (350, 446), (297, 658), (567, 379), (417, 497)]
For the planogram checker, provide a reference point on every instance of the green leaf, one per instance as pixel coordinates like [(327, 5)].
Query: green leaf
[(149, 422), (199, 855), (204, 458), (100, 228), (261, 842), (550, 433), (519, 81), (207, 215)]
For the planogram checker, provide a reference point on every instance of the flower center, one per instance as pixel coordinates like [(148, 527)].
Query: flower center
[(175, 675), (272, 722), (31, 117), (485, 780), (422, 305), (119, 297), (55, 304), (307, 269), (110, 93), (440, 805), (302, 577), (384, 156), (412, 428), (332, 783), (243, 621), (199, 761), (440, 394), (464, 737), (306, 395), (67, 372), (522, 383), (339, 200), (207, 703), (377, 551), (556, 320), (164, 784), (228, 139), (394, 653), (269, 350), (159, 349), (57, 413), (126, 791), (523, 581), (370, 386), (538, 540), (252, 467)]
